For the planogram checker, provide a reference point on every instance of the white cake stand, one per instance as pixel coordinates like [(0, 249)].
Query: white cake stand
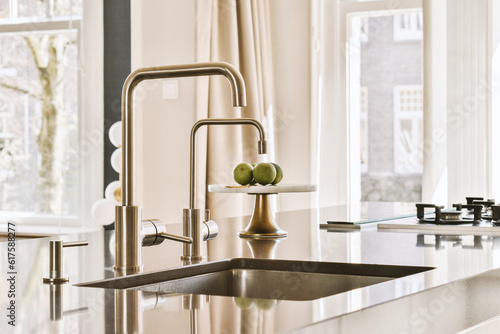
[(262, 224)]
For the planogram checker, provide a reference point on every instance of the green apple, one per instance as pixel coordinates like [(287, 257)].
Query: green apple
[(243, 303), (253, 180), (264, 173), (279, 173), (265, 304), (242, 173)]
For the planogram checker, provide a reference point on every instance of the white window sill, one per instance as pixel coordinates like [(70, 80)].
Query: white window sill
[(38, 231)]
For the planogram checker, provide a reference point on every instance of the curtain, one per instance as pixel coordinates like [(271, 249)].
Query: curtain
[(469, 128), (237, 32), (458, 126)]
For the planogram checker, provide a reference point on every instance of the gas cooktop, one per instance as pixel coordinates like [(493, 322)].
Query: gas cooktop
[(477, 215)]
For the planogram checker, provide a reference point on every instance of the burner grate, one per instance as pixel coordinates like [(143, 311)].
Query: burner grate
[(490, 212), (495, 214), (451, 216), (478, 210)]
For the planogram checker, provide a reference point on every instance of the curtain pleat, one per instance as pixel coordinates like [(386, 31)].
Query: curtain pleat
[(236, 32)]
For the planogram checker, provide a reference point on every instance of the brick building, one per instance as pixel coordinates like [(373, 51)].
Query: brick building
[(391, 108)]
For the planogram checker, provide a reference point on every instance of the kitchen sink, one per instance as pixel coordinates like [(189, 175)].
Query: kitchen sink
[(261, 278)]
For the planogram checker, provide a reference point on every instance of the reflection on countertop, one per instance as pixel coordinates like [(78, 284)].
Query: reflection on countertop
[(453, 297)]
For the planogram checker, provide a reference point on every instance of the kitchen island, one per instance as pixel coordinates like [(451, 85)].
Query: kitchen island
[(458, 295)]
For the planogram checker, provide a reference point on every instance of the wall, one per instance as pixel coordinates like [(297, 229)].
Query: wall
[(495, 64), (291, 42), (164, 33)]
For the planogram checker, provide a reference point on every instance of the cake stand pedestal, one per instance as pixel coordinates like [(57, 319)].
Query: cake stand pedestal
[(262, 224)]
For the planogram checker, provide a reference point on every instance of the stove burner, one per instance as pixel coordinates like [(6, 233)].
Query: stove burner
[(486, 206), (450, 216), (479, 200)]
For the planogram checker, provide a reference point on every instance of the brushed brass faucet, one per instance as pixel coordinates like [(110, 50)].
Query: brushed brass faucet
[(128, 220), (193, 227)]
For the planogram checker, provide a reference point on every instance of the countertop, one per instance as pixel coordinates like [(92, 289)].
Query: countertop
[(458, 295)]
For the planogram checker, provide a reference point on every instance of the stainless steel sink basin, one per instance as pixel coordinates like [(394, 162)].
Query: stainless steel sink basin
[(261, 278)]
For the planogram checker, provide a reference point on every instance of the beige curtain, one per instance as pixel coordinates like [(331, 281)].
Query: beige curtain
[(237, 32)]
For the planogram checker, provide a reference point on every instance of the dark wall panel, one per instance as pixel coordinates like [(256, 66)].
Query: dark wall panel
[(116, 69)]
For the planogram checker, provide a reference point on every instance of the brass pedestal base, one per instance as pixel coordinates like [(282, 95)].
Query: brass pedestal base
[(262, 224), (263, 248)]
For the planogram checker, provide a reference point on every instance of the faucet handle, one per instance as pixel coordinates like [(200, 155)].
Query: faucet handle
[(186, 240), (151, 228), (55, 260), (154, 232), (209, 228), (75, 243)]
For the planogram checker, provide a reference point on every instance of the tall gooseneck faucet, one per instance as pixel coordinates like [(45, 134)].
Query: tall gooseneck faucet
[(191, 217), (128, 222)]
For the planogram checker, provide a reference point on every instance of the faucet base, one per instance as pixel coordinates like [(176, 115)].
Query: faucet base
[(187, 260), (128, 239), (191, 221), (124, 271)]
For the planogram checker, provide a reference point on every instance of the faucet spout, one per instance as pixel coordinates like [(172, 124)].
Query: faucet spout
[(163, 72), (128, 254), (192, 224), (261, 148)]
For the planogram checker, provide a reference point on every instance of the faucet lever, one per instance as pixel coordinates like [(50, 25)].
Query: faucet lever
[(55, 260), (75, 243), (174, 237), (209, 228), (154, 232)]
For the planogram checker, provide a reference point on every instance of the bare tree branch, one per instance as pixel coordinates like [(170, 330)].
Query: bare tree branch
[(33, 49), (20, 90)]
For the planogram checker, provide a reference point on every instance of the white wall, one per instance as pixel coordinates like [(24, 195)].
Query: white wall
[(291, 42), (495, 90), (163, 32)]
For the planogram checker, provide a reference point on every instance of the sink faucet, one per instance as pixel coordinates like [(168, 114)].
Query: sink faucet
[(192, 225), (128, 219)]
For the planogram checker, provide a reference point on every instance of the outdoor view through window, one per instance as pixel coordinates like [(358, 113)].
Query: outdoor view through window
[(389, 79), (39, 107)]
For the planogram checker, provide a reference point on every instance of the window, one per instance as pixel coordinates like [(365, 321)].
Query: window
[(392, 139), (42, 127), (408, 129), (363, 128), (6, 114), (459, 89), (408, 26)]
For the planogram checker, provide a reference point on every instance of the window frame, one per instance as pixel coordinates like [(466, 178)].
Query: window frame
[(415, 117), (414, 33), (364, 120), (89, 29), (334, 156)]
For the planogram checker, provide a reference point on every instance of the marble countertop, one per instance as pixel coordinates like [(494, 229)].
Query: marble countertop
[(456, 296)]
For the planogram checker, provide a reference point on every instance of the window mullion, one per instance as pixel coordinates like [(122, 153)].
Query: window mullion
[(62, 24), (13, 9)]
